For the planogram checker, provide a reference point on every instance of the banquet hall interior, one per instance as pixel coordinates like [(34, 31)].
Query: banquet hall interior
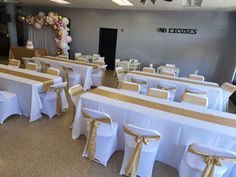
[(109, 88)]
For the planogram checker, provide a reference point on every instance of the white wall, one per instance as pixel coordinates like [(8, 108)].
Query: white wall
[(202, 51)]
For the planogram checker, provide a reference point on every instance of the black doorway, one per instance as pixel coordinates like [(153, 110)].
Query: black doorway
[(107, 46)]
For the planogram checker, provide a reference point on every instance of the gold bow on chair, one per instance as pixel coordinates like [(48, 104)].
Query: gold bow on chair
[(91, 140), (45, 66), (132, 165), (138, 82), (66, 74), (210, 161), (58, 91)]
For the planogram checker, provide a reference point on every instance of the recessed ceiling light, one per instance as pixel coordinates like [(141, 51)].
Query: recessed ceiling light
[(60, 1), (123, 2)]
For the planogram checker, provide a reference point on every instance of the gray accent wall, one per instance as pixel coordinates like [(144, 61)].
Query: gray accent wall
[(137, 37)]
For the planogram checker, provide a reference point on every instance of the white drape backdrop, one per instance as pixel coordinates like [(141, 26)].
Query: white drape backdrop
[(43, 38)]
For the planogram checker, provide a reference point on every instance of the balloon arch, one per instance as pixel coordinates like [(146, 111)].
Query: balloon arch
[(57, 23)]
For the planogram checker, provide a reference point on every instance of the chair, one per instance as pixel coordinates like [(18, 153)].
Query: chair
[(8, 105), (171, 88), (75, 92), (14, 62), (98, 75), (170, 65), (53, 71), (120, 73), (54, 101), (141, 146), (142, 82), (149, 70), (101, 58), (44, 66), (196, 99), (196, 77), (31, 66), (129, 86), (158, 93), (77, 55), (102, 136), (133, 65), (82, 60), (206, 161), (168, 73), (70, 76), (96, 56), (227, 90), (99, 62)]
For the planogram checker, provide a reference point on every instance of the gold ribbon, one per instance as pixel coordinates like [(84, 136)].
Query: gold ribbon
[(71, 61), (138, 82), (132, 165), (46, 81), (91, 140), (175, 79), (210, 161), (45, 66), (187, 113), (58, 91), (66, 74)]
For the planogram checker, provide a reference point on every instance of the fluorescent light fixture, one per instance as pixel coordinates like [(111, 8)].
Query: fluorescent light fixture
[(123, 2), (60, 1)]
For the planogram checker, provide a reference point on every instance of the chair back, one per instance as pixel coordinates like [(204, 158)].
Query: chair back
[(149, 70), (158, 93), (170, 65), (78, 55), (130, 86), (53, 71), (82, 60), (196, 154), (196, 77), (31, 66), (99, 62), (101, 58), (117, 63), (75, 92), (197, 99), (14, 62), (228, 87), (168, 73), (120, 73), (45, 65)]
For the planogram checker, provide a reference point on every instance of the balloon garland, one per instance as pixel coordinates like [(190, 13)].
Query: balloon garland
[(57, 23)]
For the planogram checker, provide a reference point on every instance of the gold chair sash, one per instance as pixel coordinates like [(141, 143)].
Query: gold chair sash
[(138, 82), (90, 147), (14, 62), (210, 161), (46, 81), (58, 91), (45, 66), (66, 74), (132, 165)]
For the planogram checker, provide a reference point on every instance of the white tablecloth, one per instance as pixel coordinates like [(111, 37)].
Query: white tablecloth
[(84, 71), (27, 90), (176, 131), (214, 94)]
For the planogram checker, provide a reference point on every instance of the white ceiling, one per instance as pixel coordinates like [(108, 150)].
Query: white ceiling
[(161, 4)]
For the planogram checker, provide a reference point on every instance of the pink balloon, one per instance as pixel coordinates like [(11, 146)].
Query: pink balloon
[(68, 39)]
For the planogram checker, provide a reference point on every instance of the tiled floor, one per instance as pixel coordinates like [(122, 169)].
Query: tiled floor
[(44, 148)]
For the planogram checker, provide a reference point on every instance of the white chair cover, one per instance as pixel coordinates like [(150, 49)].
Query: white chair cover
[(171, 88), (148, 152), (8, 105), (120, 73), (73, 77), (106, 137), (143, 84), (49, 101), (192, 165), (98, 76)]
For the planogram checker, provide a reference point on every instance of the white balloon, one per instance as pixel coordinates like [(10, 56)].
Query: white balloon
[(63, 45), (68, 39), (41, 14), (65, 21), (38, 25), (51, 14)]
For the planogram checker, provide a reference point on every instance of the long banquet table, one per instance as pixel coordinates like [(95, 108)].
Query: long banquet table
[(178, 124), (85, 70), (27, 89), (214, 92)]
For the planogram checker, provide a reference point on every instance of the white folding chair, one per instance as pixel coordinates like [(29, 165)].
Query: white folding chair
[(227, 90), (142, 82), (70, 76), (101, 59), (196, 157), (53, 71), (130, 86), (170, 65), (196, 99), (8, 105), (31, 66), (158, 93), (14, 62), (196, 77), (171, 88), (78, 55), (168, 73), (120, 73), (149, 70), (54, 100), (102, 136), (141, 161)]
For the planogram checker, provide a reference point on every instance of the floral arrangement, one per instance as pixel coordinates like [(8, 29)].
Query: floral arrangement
[(57, 23)]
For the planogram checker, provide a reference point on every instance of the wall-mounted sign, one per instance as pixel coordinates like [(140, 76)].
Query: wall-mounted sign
[(177, 30)]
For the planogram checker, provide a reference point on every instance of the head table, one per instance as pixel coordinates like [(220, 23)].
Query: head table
[(179, 124), (27, 85), (214, 92)]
